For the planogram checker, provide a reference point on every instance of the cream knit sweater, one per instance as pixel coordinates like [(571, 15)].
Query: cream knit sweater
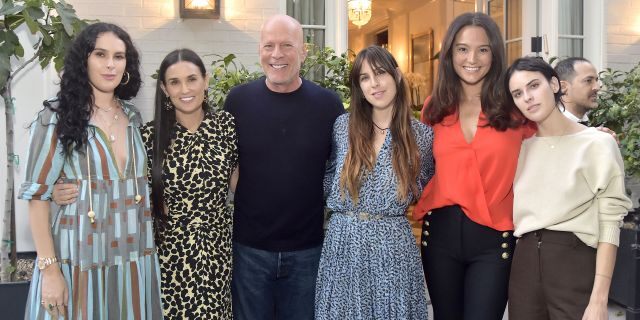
[(572, 183)]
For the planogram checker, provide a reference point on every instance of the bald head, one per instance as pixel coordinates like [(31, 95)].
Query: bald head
[(282, 53), (282, 21)]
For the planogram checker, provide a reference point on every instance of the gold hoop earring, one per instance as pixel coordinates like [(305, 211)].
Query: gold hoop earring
[(128, 78)]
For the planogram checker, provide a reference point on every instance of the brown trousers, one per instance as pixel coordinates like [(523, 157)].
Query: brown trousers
[(551, 276)]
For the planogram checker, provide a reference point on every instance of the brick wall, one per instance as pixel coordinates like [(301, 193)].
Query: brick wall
[(622, 30), (156, 29)]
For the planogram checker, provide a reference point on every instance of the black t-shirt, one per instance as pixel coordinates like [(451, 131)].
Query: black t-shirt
[(284, 142)]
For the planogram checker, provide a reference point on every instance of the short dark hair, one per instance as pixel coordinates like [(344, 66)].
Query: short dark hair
[(532, 64), (566, 68)]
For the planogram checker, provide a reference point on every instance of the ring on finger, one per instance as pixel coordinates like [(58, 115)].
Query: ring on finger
[(50, 306)]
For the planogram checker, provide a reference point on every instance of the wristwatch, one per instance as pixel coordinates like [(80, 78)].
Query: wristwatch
[(43, 263)]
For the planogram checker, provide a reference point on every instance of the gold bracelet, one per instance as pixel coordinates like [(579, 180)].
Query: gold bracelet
[(44, 262)]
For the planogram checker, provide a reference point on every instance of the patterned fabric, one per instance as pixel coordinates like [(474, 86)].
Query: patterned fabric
[(195, 249), (370, 266), (110, 266)]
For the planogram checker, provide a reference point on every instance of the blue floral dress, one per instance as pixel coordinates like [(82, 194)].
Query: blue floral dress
[(370, 266), (110, 266)]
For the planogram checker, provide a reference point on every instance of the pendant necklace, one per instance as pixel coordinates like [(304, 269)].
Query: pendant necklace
[(382, 130), (116, 117), (555, 140)]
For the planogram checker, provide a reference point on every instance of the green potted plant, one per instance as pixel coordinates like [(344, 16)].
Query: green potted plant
[(53, 23), (226, 74), (322, 66), (329, 70), (619, 110)]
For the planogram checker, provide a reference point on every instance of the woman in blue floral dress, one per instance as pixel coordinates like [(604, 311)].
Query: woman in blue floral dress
[(370, 266)]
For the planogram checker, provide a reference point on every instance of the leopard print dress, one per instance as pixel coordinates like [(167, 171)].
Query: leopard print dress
[(195, 249)]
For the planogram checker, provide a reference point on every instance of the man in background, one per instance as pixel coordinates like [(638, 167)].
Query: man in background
[(580, 84)]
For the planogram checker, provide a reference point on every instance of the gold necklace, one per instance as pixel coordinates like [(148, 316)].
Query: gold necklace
[(556, 139), (103, 109), (116, 117)]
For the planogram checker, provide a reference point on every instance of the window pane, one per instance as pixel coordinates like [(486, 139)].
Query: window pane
[(569, 47), (463, 6), (314, 38), (310, 12), (496, 12), (514, 51), (514, 19), (570, 17)]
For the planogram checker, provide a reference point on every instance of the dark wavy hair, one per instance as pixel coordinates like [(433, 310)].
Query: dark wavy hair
[(446, 94), (533, 64), (76, 94), (360, 158), (166, 120)]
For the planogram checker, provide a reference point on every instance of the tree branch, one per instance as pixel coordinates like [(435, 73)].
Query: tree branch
[(25, 64)]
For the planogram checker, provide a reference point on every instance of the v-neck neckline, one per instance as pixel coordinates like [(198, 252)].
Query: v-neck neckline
[(461, 132), (122, 172), (112, 154)]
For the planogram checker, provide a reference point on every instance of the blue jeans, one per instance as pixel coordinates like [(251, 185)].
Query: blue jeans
[(274, 285)]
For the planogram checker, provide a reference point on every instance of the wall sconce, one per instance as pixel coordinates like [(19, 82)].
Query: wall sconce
[(199, 9), (359, 12)]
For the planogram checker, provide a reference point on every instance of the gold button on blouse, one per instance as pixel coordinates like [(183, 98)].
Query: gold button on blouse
[(426, 233), (505, 255), (424, 243), (429, 213), (505, 234), (505, 245), (426, 223)]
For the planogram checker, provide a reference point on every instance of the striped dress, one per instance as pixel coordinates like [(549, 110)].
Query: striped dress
[(110, 266)]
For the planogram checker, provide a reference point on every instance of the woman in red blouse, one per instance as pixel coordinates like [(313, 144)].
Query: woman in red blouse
[(467, 238)]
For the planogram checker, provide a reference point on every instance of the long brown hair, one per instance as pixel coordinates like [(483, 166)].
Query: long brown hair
[(446, 95), (361, 157)]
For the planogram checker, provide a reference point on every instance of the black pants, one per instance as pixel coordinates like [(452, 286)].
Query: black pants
[(466, 266)]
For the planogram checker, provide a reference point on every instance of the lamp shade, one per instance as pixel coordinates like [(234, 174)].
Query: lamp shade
[(359, 11), (200, 9)]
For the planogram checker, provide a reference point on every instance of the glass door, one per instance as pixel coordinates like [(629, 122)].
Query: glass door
[(508, 16)]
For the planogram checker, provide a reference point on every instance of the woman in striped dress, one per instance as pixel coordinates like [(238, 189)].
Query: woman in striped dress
[(96, 257)]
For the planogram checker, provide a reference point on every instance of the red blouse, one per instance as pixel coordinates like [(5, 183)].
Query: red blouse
[(477, 176)]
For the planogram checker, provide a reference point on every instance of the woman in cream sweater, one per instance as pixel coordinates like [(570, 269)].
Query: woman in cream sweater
[(568, 206)]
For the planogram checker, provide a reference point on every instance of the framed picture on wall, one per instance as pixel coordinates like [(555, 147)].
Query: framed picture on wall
[(421, 63)]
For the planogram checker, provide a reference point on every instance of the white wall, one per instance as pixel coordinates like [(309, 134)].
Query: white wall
[(29, 89), (156, 29), (622, 34)]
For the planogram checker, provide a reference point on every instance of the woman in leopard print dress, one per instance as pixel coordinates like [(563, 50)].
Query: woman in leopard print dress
[(192, 158)]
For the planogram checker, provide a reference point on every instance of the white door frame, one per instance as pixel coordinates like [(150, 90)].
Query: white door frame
[(540, 18), (336, 24)]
